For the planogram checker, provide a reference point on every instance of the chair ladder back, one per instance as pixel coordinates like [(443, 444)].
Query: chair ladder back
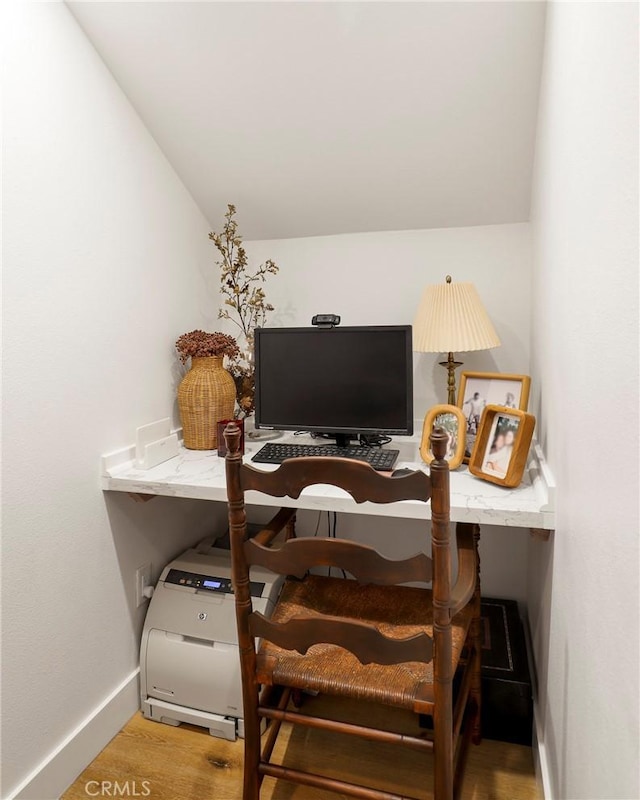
[(284, 519), (357, 478), (467, 578), (365, 641), (297, 556), (315, 611)]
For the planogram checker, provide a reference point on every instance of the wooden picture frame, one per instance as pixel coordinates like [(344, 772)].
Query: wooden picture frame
[(453, 421), (480, 389), (502, 446)]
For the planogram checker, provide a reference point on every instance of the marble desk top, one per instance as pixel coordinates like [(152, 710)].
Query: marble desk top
[(199, 474)]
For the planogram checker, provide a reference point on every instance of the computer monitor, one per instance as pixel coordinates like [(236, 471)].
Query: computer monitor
[(338, 381)]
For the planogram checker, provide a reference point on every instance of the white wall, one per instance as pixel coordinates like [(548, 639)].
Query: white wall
[(105, 263), (377, 278), (583, 586)]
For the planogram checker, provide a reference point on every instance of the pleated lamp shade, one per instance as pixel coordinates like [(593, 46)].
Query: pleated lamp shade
[(451, 318)]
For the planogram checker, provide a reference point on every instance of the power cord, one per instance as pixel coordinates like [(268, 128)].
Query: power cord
[(332, 535)]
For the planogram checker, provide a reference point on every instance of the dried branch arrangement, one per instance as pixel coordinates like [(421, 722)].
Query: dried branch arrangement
[(245, 303)]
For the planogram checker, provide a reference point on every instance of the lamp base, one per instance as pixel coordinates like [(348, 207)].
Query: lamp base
[(451, 366)]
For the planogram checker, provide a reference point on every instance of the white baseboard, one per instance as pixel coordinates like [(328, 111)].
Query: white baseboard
[(541, 762), (62, 766)]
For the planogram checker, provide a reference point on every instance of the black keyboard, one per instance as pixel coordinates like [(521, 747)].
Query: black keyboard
[(273, 453)]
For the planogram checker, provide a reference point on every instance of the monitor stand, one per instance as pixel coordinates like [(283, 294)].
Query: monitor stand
[(342, 439)]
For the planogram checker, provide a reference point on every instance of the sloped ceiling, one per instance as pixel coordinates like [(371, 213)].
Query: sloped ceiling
[(330, 117)]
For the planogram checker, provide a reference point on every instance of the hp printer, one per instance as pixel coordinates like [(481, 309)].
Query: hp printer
[(189, 660)]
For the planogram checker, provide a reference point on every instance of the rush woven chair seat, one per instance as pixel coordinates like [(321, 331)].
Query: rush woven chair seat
[(329, 669), (369, 637)]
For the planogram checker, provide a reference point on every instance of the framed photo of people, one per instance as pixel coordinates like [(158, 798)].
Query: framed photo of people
[(452, 421), (481, 389), (502, 445)]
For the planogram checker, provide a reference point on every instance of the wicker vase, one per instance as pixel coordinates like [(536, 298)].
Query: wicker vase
[(206, 395)]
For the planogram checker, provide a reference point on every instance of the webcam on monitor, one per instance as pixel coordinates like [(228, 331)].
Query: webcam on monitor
[(325, 320)]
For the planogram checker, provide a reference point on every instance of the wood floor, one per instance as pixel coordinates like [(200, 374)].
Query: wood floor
[(186, 763)]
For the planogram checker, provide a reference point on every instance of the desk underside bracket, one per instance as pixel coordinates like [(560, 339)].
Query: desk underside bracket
[(138, 497), (540, 534)]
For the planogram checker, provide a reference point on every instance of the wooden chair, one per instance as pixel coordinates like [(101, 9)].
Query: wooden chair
[(368, 639)]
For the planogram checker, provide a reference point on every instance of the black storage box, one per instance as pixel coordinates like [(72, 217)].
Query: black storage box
[(507, 700)]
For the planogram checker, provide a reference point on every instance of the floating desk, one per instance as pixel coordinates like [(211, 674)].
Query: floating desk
[(200, 475)]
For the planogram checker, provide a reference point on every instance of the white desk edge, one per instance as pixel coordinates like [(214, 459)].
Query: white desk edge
[(199, 474)]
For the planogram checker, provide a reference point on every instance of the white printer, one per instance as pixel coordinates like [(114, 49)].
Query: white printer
[(189, 660)]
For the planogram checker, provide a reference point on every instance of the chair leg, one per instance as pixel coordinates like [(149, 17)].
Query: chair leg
[(476, 633), (461, 757), (442, 763), (252, 780), (443, 735)]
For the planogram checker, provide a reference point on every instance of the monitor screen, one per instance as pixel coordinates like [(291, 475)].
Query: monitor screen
[(335, 380)]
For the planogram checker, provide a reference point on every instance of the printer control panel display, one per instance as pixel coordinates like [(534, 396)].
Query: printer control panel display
[(208, 583)]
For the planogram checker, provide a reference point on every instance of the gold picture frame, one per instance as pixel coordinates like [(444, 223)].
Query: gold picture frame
[(453, 421), (502, 446), (481, 389)]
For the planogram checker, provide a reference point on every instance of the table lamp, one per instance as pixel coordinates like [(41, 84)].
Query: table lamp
[(451, 318)]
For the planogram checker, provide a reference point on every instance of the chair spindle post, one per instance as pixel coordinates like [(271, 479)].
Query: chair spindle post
[(243, 605), (476, 634), (443, 678)]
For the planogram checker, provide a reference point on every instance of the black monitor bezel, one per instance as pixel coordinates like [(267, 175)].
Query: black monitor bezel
[(352, 431)]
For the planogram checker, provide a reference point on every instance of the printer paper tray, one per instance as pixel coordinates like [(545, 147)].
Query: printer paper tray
[(172, 714)]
